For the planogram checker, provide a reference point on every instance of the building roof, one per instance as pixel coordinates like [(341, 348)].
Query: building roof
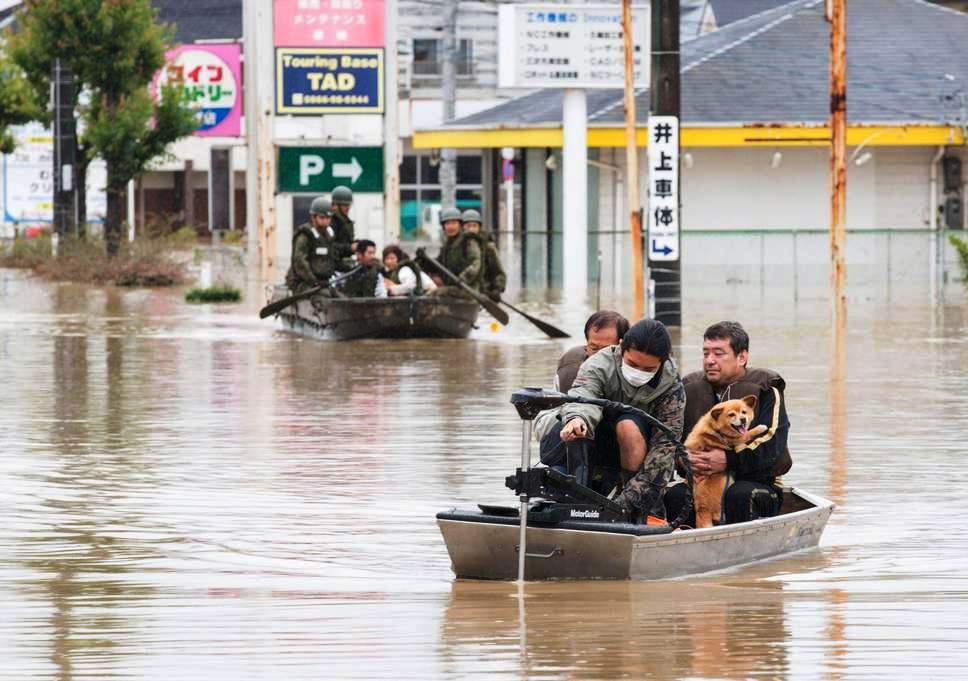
[(907, 62), (202, 20)]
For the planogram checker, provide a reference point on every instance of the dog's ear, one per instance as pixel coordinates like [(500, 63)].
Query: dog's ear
[(716, 412), (750, 401)]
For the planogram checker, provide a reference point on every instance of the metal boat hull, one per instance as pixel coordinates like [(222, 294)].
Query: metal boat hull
[(349, 318), (483, 546)]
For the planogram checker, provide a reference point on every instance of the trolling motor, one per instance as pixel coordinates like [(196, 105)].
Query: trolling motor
[(572, 495)]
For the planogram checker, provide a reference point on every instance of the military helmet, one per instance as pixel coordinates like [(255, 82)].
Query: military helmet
[(342, 195), (321, 206), (448, 214), (470, 215)]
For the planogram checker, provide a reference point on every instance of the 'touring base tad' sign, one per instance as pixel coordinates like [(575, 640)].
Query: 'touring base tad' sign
[(318, 169)]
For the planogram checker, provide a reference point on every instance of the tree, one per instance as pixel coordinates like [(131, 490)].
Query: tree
[(18, 101), (114, 48)]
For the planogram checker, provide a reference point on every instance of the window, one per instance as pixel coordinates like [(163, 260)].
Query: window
[(420, 192), (428, 56)]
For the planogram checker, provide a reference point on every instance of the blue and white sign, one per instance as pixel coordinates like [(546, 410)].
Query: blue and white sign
[(663, 243), (313, 80)]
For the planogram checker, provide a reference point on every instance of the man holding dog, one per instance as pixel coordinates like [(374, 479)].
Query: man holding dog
[(754, 469)]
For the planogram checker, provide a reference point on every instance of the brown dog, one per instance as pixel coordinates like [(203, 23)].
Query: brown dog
[(723, 427)]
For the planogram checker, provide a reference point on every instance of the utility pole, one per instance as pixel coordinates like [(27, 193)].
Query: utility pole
[(448, 157), (391, 134), (62, 104), (667, 274), (632, 162), (260, 163), (837, 16)]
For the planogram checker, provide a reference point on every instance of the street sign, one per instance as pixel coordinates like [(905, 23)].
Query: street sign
[(316, 80), (328, 23), (210, 80), (319, 169), (663, 241), (570, 46)]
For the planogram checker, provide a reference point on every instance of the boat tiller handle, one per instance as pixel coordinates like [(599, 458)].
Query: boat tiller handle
[(557, 551)]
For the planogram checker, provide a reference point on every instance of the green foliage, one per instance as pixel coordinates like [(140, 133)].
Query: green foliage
[(18, 101), (183, 238), (961, 246), (233, 237), (26, 252), (114, 48), (220, 293)]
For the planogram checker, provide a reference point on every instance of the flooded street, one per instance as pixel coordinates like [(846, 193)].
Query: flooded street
[(187, 492)]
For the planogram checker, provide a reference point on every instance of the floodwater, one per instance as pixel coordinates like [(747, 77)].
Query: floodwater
[(188, 493)]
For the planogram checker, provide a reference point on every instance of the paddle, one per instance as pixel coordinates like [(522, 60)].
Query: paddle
[(551, 331), (273, 308), (485, 302)]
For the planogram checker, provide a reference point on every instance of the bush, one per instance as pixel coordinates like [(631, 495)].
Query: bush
[(26, 252), (183, 239), (220, 293), (233, 237), (961, 247)]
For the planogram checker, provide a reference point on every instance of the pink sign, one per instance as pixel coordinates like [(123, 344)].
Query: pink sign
[(328, 23), (210, 79)]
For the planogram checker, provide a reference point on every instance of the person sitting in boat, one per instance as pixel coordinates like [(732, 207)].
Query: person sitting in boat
[(315, 251), (493, 278), (402, 276), (755, 490), (602, 329), (368, 281), (639, 372), (460, 254)]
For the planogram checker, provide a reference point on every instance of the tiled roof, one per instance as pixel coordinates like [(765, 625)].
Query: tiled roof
[(196, 20), (905, 60)]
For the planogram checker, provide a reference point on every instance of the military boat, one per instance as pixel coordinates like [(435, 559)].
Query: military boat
[(562, 529), (404, 317)]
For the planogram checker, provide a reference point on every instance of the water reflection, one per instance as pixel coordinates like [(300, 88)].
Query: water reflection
[(187, 492)]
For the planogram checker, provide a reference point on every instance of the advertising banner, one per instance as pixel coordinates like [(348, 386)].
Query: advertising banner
[(28, 184), (316, 80), (211, 82), (328, 23), (570, 46), (663, 188)]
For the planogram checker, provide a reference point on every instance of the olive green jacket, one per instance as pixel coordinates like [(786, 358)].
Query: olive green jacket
[(494, 280), (462, 256), (314, 257), (345, 233)]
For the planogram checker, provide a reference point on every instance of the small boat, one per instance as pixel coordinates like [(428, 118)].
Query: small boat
[(349, 318), (575, 533)]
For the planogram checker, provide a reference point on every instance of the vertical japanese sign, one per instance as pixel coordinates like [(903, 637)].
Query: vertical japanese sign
[(210, 79), (328, 23), (663, 244)]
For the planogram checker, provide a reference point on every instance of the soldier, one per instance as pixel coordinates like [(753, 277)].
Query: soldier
[(493, 278), (640, 372), (314, 249), (342, 198), (460, 253), (368, 282)]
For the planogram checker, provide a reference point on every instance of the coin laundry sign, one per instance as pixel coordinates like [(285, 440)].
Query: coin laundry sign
[(318, 80), (210, 82)]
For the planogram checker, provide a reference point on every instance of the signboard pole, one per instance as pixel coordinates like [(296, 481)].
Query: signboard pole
[(667, 274), (632, 162), (391, 134), (575, 191)]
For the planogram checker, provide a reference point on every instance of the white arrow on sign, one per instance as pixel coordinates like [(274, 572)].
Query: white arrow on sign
[(352, 170)]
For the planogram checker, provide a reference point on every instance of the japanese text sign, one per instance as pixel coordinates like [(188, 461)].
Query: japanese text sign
[(328, 23), (316, 80), (210, 80), (663, 241), (570, 45), (319, 169)]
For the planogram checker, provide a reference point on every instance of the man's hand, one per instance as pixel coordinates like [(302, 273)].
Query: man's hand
[(707, 462), (353, 247), (437, 279), (574, 430)]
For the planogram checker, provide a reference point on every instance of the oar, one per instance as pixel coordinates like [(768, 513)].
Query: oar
[(485, 302), (551, 331), (273, 308)]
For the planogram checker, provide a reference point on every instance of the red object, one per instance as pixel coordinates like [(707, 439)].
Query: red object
[(35, 231), (652, 520), (328, 23)]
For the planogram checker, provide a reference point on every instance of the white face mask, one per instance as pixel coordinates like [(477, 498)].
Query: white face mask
[(636, 377)]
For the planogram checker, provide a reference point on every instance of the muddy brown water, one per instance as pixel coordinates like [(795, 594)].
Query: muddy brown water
[(188, 493)]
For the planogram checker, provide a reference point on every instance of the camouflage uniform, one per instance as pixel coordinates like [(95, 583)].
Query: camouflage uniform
[(345, 231), (493, 278), (601, 376), (314, 257), (461, 254), (363, 283)]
